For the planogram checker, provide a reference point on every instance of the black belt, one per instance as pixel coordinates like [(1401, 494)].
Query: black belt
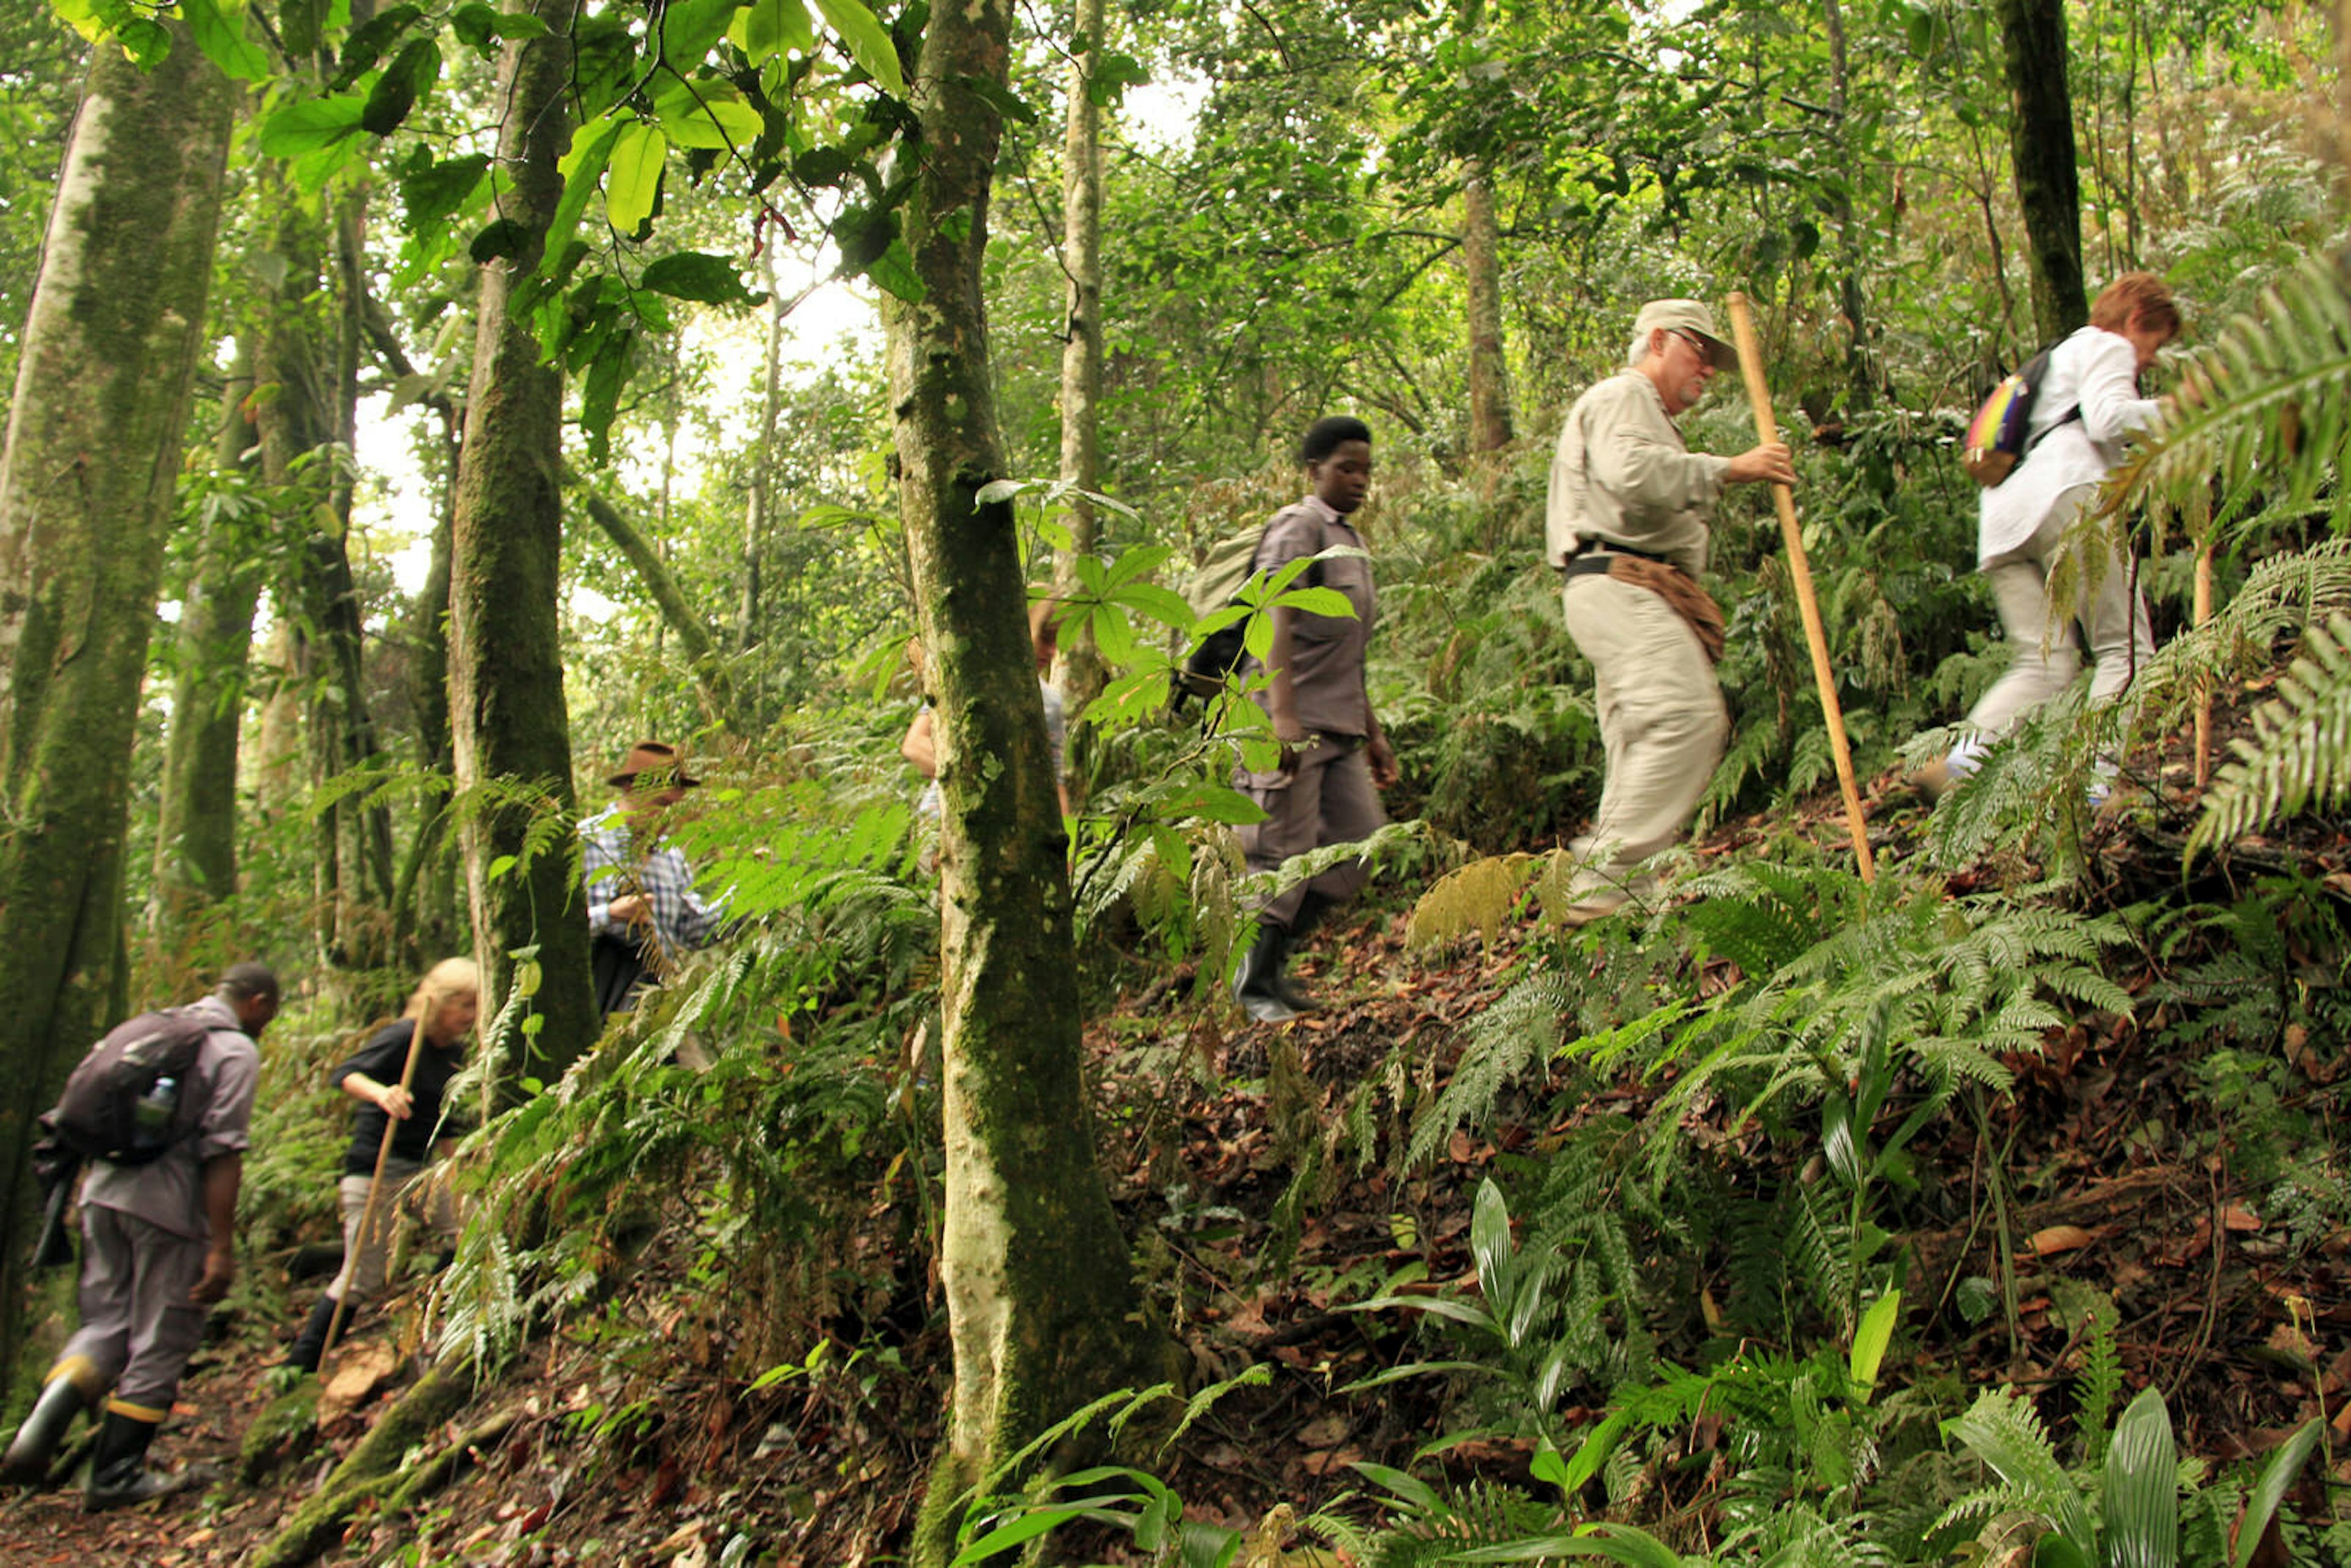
[(1589, 557)]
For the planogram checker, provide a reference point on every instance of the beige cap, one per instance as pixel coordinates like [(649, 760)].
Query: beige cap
[(1686, 315)]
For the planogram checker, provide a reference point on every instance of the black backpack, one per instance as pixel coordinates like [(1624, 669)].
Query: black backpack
[(1215, 586), (127, 1103)]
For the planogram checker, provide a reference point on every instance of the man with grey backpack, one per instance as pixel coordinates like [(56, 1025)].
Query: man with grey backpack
[(158, 1221)]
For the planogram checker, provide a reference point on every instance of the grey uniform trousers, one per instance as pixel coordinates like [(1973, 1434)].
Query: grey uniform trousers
[(1326, 798), (139, 1325)]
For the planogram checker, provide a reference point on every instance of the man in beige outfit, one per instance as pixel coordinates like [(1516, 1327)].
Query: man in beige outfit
[(1627, 526)]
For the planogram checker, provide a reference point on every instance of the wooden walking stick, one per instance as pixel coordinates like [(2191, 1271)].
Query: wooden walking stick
[(2204, 696), (375, 1186), (1758, 397)]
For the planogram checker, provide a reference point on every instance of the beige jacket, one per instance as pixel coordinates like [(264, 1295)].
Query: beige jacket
[(1621, 475)]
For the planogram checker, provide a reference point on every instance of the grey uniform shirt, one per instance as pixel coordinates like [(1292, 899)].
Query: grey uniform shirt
[(168, 1192), (1621, 475), (1326, 651)]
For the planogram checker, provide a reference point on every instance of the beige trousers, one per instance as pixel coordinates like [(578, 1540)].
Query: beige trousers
[(366, 1257), (1662, 725), (2112, 618)]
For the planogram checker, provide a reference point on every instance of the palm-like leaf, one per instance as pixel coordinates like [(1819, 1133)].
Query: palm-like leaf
[(2299, 752), (2266, 412)]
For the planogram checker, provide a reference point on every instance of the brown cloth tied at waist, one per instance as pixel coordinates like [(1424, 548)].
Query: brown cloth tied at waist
[(1669, 582)]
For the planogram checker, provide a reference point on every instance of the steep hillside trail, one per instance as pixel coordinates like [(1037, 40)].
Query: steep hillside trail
[(634, 1438)]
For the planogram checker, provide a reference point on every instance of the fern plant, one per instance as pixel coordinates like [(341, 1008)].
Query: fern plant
[(2127, 1515), (2264, 417), (2299, 754)]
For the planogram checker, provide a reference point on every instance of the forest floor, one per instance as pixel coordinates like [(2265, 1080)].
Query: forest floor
[(593, 1450)]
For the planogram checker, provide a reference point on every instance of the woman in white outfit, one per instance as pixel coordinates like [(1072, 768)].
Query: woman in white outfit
[(2088, 407)]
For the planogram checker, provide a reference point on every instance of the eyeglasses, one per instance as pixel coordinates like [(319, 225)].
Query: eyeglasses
[(1704, 349)]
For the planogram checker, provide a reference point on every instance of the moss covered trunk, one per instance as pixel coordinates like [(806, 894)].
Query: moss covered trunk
[(93, 449), (1082, 676), (2048, 173), (508, 723), (195, 822), (1481, 267), (1039, 1296)]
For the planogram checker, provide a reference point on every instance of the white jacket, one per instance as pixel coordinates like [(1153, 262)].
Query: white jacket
[(2098, 370)]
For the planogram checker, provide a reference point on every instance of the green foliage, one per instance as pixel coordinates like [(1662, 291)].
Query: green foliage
[(2261, 418), (2299, 754)]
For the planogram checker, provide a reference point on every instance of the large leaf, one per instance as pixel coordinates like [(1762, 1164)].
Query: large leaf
[(765, 28), (581, 167), (868, 41), (223, 41), (2143, 1488), (692, 275), (2003, 1431), (309, 124), (2270, 1489), (437, 190), (1870, 1340), (633, 181)]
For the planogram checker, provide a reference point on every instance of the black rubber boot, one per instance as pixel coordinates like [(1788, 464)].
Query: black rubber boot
[(119, 1475), (1257, 986), (1311, 907), (310, 1344), (34, 1446)]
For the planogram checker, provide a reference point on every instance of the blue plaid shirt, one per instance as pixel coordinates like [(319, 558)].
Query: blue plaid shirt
[(615, 867)]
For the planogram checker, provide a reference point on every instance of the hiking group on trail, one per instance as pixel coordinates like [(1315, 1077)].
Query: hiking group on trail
[(1628, 523)]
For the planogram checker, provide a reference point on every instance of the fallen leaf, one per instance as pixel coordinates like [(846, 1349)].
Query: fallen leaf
[(2050, 1241)]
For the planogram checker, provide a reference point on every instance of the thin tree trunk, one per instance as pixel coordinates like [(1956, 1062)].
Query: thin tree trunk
[(1861, 382), (1481, 266), (195, 825), (1082, 675), (696, 640), (1036, 1270), (93, 449), (758, 509), (2047, 171), (509, 725)]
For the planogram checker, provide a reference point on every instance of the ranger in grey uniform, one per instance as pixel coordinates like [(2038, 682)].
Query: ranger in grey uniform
[(1626, 523), (158, 1249)]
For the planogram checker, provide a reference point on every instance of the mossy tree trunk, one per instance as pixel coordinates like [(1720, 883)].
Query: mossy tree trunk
[(507, 719), (2047, 171), (310, 382), (1082, 676), (1039, 1295), (195, 827), (1481, 266), (93, 450)]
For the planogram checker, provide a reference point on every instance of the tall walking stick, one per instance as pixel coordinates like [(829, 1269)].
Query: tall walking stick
[(375, 1186), (1758, 397)]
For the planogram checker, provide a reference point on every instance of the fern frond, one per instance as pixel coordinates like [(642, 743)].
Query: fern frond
[(2300, 751), (1481, 896), (2272, 399), (1517, 1030)]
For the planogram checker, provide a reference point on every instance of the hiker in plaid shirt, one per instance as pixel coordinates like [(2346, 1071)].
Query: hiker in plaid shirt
[(642, 910)]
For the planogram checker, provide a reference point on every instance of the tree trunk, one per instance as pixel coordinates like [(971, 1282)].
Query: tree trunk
[(1861, 389), (2040, 149), (509, 727), (1481, 266), (1082, 676), (1036, 1270), (694, 638), (93, 449), (195, 826), (759, 507)]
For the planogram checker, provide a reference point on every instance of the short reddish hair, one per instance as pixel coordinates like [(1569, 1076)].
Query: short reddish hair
[(2140, 296)]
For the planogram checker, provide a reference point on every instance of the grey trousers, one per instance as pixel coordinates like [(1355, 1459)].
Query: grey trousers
[(1327, 799), (138, 1324), (1662, 725), (2110, 617)]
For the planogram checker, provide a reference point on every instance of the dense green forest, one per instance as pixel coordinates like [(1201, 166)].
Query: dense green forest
[(413, 407)]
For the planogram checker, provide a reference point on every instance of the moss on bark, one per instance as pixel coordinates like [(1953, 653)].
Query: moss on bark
[(510, 726), (87, 479), (1040, 1299)]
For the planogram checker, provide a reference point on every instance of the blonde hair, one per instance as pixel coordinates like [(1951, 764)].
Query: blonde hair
[(442, 983)]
